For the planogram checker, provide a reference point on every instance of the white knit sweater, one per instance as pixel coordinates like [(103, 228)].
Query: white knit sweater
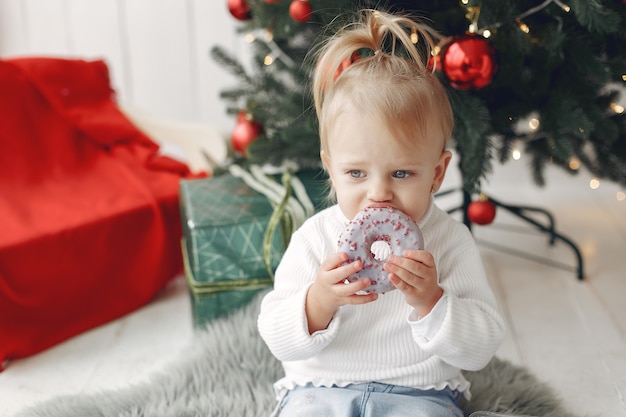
[(383, 341)]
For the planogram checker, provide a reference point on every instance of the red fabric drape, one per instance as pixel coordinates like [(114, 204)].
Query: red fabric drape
[(89, 218)]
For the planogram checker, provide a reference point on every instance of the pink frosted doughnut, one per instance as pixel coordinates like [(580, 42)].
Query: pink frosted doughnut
[(378, 224)]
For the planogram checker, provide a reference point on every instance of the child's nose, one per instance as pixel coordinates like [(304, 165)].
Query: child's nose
[(379, 191)]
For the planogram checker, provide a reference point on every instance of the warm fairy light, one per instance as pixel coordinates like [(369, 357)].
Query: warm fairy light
[(486, 33), (414, 37), (269, 35), (594, 184), (620, 196), (574, 163), (517, 154), (617, 108), (472, 15), (268, 60), (464, 1), (533, 124), (581, 130), (249, 38), (523, 26), (565, 7)]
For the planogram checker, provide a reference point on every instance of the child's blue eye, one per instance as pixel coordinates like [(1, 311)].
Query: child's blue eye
[(401, 174), (355, 173)]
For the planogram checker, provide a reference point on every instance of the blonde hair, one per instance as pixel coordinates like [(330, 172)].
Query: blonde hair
[(391, 81)]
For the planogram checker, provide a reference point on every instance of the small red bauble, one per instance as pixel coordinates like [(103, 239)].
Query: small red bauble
[(300, 10), (481, 212), (239, 9), (244, 133), (469, 62), (243, 115), (434, 63)]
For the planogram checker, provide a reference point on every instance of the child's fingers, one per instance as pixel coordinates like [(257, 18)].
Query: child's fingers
[(406, 268), (421, 256), (350, 290), (335, 271), (333, 261)]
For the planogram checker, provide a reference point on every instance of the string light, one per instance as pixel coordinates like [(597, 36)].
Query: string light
[(594, 184), (533, 124), (574, 163), (516, 154), (472, 15), (414, 37), (617, 108), (522, 26), (531, 11), (620, 196), (565, 7), (267, 36), (543, 5)]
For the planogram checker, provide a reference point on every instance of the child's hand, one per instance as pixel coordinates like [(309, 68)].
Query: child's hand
[(415, 274), (329, 292)]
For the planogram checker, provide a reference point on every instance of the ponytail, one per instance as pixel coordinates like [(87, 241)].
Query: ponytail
[(375, 34), (378, 66)]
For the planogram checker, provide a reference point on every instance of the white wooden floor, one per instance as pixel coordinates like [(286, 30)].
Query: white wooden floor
[(570, 333)]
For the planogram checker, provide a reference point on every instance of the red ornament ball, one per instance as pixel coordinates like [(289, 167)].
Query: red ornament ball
[(469, 62), (481, 212), (300, 10), (245, 132), (434, 63), (239, 9)]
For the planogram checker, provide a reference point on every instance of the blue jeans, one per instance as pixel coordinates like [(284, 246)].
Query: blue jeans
[(369, 400)]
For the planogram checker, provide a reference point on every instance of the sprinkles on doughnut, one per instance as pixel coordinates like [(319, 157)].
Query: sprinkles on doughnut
[(378, 224)]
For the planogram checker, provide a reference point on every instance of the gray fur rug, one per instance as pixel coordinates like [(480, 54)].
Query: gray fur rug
[(229, 372)]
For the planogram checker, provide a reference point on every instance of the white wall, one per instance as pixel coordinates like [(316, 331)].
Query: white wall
[(157, 50)]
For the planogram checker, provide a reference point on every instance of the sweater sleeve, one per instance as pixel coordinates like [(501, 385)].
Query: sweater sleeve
[(282, 320), (470, 330)]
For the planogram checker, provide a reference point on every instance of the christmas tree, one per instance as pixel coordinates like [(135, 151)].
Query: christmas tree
[(557, 66)]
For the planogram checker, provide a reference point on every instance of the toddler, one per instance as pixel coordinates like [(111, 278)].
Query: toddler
[(384, 121)]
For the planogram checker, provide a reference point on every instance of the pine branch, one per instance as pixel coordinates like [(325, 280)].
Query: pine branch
[(595, 17), (231, 64), (471, 134)]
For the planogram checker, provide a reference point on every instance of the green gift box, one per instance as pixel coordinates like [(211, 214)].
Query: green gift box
[(228, 252)]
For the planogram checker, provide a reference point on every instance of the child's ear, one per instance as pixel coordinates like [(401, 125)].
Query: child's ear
[(440, 169)]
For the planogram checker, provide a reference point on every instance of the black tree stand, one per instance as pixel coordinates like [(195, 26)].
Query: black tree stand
[(522, 212)]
